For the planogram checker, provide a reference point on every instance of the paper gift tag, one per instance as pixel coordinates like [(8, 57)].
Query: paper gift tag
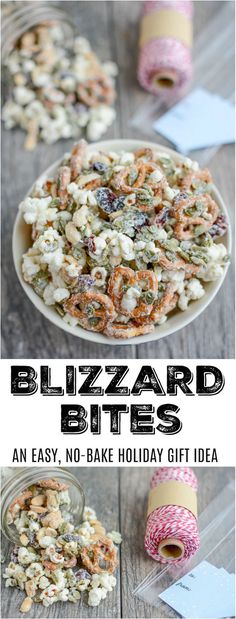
[(200, 120), (204, 593)]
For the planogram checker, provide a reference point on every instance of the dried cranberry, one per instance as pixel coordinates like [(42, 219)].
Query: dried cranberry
[(162, 216), (100, 167), (82, 575), (69, 537), (32, 538), (219, 227), (89, 242), (85, 282), (180, 196), (118, 203), (140, 220), (40, 516), (64, 74), (105, 198), (14, 554), (80, 108)]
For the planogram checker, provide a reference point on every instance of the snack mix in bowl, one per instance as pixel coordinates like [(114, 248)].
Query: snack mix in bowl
[(121, 240)]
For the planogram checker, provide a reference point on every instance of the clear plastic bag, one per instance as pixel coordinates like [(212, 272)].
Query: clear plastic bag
[(213, 63), (217, 537)]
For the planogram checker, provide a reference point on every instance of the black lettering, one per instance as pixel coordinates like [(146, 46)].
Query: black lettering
[(178, 376), (115, 411), (93, 372), (203, 372), (140, 421), (70, 380), (73, 455), (147, 381), (73, 419), (46, 389), (19, 455), (95, 419), (120, 372), (23, 380), (174, 424)]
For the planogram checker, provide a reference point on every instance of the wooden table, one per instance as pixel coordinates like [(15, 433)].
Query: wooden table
[(112, 28), (119, 497)]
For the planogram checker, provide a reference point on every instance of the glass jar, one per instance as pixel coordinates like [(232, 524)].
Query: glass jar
[(19, 17), (16, 480)]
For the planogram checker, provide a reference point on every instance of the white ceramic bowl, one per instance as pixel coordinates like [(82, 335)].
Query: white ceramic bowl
[(179, 319)]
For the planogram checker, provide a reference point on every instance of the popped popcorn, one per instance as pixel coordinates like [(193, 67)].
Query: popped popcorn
[(57, 91), (120, 240), (115, 536), (63, 560)]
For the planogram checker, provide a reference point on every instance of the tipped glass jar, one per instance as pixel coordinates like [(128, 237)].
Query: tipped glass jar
[(15, 483), (20, 17)]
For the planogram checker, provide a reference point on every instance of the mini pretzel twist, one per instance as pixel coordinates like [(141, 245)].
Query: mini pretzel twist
[(166, 304), (103, 552), (145, 154), (21, 500), (144, 280), (64, 176), (92, 309), (76, 160), (68, 563), (184, 227), (53, 484), (179, 263), (124, 331), (157, 186), (187, 184), (163, 306), (96, 91), (122, 181)]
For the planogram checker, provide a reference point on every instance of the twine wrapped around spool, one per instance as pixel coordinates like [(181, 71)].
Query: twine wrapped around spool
[(165, 59), (172, 534)]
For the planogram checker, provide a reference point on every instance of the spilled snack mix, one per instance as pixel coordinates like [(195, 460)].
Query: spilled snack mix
[(57, 92), (59, 561), (120, 240)]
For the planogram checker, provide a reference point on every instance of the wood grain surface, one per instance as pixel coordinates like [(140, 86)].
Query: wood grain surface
[(112, 28), (120, 498)]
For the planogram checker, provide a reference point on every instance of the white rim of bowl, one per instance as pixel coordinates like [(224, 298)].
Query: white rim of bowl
[(176, 321)]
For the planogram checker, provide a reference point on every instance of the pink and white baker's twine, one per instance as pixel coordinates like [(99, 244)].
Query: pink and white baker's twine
[(164, 55), (171, 521)]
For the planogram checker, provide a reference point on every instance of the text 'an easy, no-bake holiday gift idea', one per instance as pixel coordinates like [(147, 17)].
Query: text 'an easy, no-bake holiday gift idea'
[(120, 240), (58, 559)]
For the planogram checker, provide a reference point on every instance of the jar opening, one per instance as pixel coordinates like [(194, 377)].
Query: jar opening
[(27, 478)]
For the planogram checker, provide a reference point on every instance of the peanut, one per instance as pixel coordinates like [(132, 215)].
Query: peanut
[(99, 533), (53, 519), (30, 588), (38, 510), (52, 500), (24, 539), (38, 500), (26, 605), (51, 532), (41, 533)]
